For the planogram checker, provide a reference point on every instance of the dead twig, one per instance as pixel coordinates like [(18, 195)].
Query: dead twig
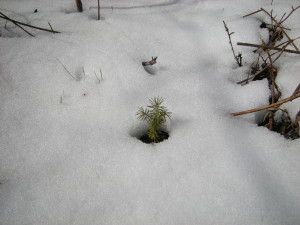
[(17, 23), (79, 5), (268, 47), (98, 9), (51, 27), (237, 58), (150, 63), (280, 26), (14, 22), (66, 69), (275, 105), (252, 13), (297, 90), (268, 66), (293, 10)]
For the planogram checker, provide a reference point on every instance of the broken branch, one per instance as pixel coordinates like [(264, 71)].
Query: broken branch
[(238, 58), (293, 10), (277, 104), (17, 23), (252, 13), (280, 26), (268, 47)]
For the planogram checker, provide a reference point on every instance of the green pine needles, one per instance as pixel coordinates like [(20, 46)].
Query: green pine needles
[(155, 116)]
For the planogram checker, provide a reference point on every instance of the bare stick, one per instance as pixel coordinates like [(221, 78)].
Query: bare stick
[(293, 10), (268, 47), (14, 22), (252, 13), (279, 25), (51, 27), (268, 66), (297, 90), (97, 77), (79, 5), (238, 58), (98, 9), (24, 24), (254, 75), (65, 68), (277, 104), (272, 77)]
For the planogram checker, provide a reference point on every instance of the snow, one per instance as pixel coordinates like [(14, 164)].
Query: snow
[(69, 147)]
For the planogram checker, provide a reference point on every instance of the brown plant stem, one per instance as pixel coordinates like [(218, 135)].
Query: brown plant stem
[(238, 58), (24, 24), (268, 66), (277, 104), (98, 9), (280, 26), (252, 13), (268, 47), (293, 10)]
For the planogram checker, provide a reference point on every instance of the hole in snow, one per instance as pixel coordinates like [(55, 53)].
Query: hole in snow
[(141, 134)]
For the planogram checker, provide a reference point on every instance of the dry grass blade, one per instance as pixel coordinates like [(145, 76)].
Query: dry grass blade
[(66, 69)]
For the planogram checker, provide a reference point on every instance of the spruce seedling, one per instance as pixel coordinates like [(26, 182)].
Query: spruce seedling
[(155, 116)]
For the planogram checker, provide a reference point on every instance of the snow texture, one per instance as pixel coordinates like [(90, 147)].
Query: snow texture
[(69, 152)]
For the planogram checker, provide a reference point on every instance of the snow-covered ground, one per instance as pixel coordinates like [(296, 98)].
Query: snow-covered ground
[(68, 147)]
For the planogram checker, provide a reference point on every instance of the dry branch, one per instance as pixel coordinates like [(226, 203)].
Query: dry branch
[(297, 90), (293, 10), (275, 105), (252, 13), (280, 26), (268, 66), (98, 9), (268, 47), (5, 17), (237, 58), (17, 23)]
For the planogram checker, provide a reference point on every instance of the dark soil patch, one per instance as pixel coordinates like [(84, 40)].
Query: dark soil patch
[(281, 123), (162, 135)]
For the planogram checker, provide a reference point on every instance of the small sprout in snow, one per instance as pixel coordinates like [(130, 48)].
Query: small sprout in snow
[(155, 116)]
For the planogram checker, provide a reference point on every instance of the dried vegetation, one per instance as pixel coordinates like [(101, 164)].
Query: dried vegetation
[(268, 52)]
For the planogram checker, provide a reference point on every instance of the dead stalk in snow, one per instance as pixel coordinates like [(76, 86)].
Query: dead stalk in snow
[(237, 58), (98, 9), (79, 5), (275, 105), (269, 47), (150, 63), (20, 24)]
